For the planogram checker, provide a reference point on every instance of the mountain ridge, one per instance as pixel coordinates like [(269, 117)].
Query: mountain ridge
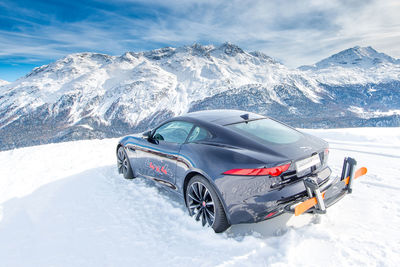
[(363, 57), (93, 95)]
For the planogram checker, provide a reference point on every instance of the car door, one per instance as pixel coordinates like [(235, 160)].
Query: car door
[(158, 158)]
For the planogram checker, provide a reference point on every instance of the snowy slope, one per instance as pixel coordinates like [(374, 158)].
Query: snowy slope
[(66, 207)]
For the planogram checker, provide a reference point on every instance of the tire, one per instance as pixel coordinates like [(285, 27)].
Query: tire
[(123, 164), (204, 204)]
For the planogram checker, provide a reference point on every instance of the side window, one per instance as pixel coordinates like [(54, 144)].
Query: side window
[(174, 132), (199, 134)]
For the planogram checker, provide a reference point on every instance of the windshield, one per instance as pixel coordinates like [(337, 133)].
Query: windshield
[(267, 130)]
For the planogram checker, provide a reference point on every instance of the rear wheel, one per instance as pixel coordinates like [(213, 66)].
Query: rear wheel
[(123, 164), (204, 204)]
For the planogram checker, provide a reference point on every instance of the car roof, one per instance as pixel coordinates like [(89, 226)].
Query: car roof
[(223, 116)]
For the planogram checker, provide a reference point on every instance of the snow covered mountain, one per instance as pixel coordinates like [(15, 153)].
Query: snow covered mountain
[(357, 65), (362, 57), (89, 95)]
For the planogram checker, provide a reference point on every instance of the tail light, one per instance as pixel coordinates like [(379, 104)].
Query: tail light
[(270, 214), (274, 171)]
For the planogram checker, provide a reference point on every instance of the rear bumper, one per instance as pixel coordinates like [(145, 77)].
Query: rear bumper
[(250, 199)]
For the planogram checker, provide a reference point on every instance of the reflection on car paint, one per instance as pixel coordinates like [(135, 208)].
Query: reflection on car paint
[(177, 156)]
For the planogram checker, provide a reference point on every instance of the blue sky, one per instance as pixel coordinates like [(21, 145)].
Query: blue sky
[(36, 32)]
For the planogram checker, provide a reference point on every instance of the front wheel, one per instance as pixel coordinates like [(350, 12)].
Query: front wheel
[(204, 204), (123, 163)]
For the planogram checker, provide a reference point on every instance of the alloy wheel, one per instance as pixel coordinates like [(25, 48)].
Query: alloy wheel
[(201, 203), (122, 161)]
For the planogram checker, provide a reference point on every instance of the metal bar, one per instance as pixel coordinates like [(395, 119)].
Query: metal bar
[(309, 192), (344, 169), (352, 164), (321, 203), (313, 191)]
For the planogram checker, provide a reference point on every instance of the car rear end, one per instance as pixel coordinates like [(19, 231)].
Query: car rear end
[(259, 193), (253, 198)]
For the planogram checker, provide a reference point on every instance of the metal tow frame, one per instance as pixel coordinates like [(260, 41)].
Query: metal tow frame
[(334, 193)]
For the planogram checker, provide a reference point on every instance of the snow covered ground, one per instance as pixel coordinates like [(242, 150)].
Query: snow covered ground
[(65, 205)]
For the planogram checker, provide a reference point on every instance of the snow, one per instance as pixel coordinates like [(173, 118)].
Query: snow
[(338, 75), (373, 114), (2, 82), (364, 57), (65, 205), (357, 65)]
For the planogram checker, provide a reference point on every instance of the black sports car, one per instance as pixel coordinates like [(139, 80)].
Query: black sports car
[(231, 166)]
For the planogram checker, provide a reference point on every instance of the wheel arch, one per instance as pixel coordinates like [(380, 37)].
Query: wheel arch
[(118, 146), (192, 174), (122, 142)]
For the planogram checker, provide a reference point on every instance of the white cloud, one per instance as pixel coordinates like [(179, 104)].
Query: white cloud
[(295, 32)]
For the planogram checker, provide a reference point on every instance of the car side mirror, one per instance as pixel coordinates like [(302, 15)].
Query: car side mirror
[(147, 134)]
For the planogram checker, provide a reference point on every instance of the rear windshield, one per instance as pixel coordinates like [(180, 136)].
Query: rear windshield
[(267, 130)]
